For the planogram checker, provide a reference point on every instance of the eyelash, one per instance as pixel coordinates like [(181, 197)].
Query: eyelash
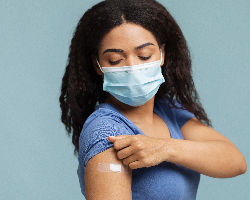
[(116, 62), (145, 58)]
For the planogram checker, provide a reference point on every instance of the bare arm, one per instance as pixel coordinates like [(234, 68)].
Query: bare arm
[(106, 185), (207, 151), (203, 150)]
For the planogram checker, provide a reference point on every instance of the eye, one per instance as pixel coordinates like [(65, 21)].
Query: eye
[(114, 62), (145, 58)]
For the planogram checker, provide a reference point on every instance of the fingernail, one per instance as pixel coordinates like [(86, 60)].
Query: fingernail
[(110, 137)]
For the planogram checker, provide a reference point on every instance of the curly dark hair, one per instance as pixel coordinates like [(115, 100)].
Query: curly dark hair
[(82, 88)]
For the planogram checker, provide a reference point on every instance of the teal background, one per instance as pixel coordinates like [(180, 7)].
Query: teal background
[(37, 160)]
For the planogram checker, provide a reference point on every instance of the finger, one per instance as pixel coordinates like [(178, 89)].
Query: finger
[(137, 164), (130, 159), (124, 153), (123, 143), (115, 138), (134, 165)]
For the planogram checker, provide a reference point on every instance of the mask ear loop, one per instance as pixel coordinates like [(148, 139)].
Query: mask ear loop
[(99, 66), (161, 54)]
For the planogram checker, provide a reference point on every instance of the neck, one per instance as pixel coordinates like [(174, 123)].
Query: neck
[(138, 114)]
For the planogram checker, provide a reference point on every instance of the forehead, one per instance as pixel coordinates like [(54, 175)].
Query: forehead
[(127, 36)]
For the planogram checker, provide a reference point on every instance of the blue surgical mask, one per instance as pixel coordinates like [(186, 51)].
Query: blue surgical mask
[(133, 85)]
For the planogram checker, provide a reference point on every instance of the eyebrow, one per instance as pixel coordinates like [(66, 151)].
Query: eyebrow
[(144, 45), (136, 48)]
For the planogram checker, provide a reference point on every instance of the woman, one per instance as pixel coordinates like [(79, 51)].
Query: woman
[(129, 76)]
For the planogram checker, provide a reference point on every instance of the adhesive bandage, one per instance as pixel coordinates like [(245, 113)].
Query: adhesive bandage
[(109, 167)]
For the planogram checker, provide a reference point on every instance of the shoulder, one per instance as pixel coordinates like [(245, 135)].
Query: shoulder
[(101, 124), (175, 111)]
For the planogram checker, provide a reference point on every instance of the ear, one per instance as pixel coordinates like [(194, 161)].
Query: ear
[(163, 54), (96, 67)]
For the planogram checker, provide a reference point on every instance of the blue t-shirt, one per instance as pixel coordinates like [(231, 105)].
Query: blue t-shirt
[(164, 181)]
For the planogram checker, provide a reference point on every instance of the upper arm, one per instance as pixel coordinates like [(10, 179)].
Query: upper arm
[(106, 185), (195, 130)]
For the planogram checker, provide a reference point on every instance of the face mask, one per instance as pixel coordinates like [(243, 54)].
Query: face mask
[(133, 85)]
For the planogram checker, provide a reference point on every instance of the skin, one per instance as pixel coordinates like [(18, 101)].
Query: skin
[(203, 149)]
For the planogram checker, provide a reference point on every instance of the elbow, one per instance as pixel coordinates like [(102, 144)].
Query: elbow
[(237, 167), (240, 164), (243, 167)]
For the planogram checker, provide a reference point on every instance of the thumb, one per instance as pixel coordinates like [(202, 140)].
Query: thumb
[(115, 138)]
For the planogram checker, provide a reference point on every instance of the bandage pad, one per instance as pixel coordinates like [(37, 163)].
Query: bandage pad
[(112, 167)]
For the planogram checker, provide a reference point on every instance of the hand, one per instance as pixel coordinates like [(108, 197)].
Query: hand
[(139, 151)]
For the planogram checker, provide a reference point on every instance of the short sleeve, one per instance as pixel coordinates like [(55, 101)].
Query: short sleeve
[(93, 139), (182, 115)]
